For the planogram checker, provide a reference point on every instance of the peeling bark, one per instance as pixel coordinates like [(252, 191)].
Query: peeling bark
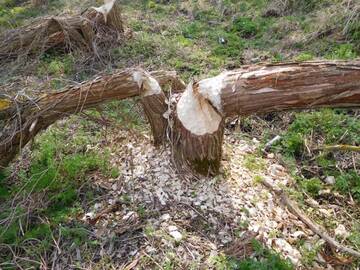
[(278, 87), (68, 31), (197, 133), (25, 120), (200, 111), (259, 89)]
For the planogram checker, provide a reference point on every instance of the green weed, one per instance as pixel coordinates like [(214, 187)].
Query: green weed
[(327, 127), (349, 183), (254, 163), (56, 65), (56, 176), (304, 57), (312, 186), (342, 51), (264, 259), (245, 27)]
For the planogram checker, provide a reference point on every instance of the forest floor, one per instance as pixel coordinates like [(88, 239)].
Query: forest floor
[(92, 192)]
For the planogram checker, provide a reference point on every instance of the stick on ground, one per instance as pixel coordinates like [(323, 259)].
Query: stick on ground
[(314, 227)]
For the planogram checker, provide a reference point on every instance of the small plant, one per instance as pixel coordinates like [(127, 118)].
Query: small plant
[(342, 51), (264, 259), (253, 163), (304, 57), (312, 186), (245, 27), (327, 127), (258, 179), (233, 47), (349, 183)]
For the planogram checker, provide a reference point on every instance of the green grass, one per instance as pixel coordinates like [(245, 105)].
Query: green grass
[(56, 180), (312, 130), (12, 15), (264, 259)]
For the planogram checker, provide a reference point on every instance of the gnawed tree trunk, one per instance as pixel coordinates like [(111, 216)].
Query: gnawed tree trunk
[(196, 122), (24, 120), (197, 133), (257, 89), (68, 32)]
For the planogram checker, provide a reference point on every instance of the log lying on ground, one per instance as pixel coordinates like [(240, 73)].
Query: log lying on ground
[(198, 114), (23, 120), (69, 32), (257, 89)]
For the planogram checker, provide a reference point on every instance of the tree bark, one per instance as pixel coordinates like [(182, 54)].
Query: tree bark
[(38, 3), (196, 121), (197, 134), (24, 120), (255, 89), (69, 32)]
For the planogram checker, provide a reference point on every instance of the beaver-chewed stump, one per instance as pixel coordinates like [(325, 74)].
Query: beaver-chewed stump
[(66, 32), (194, 125)]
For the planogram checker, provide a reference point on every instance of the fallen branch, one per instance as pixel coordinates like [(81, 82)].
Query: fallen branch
[(314, 227), (340, 147)]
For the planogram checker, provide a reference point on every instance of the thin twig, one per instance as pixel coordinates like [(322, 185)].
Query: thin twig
[(294, 209), (341, 147)]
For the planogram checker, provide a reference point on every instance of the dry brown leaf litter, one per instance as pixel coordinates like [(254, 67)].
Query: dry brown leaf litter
[(163, 216)]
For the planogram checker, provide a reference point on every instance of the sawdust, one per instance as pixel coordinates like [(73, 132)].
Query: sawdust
[(193, 221)]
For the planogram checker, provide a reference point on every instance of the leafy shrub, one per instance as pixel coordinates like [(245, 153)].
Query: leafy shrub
[(245, 27)]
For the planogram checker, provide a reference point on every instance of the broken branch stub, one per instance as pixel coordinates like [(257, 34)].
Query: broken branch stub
[(154, 104)]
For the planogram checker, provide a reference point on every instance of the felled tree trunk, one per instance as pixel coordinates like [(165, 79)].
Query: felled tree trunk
[(196, 121), (68, 32), (24, 120), (256, 89)]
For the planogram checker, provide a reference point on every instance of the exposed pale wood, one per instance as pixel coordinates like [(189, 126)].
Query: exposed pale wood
[(252, 89), (267, 88), (30, 118)]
